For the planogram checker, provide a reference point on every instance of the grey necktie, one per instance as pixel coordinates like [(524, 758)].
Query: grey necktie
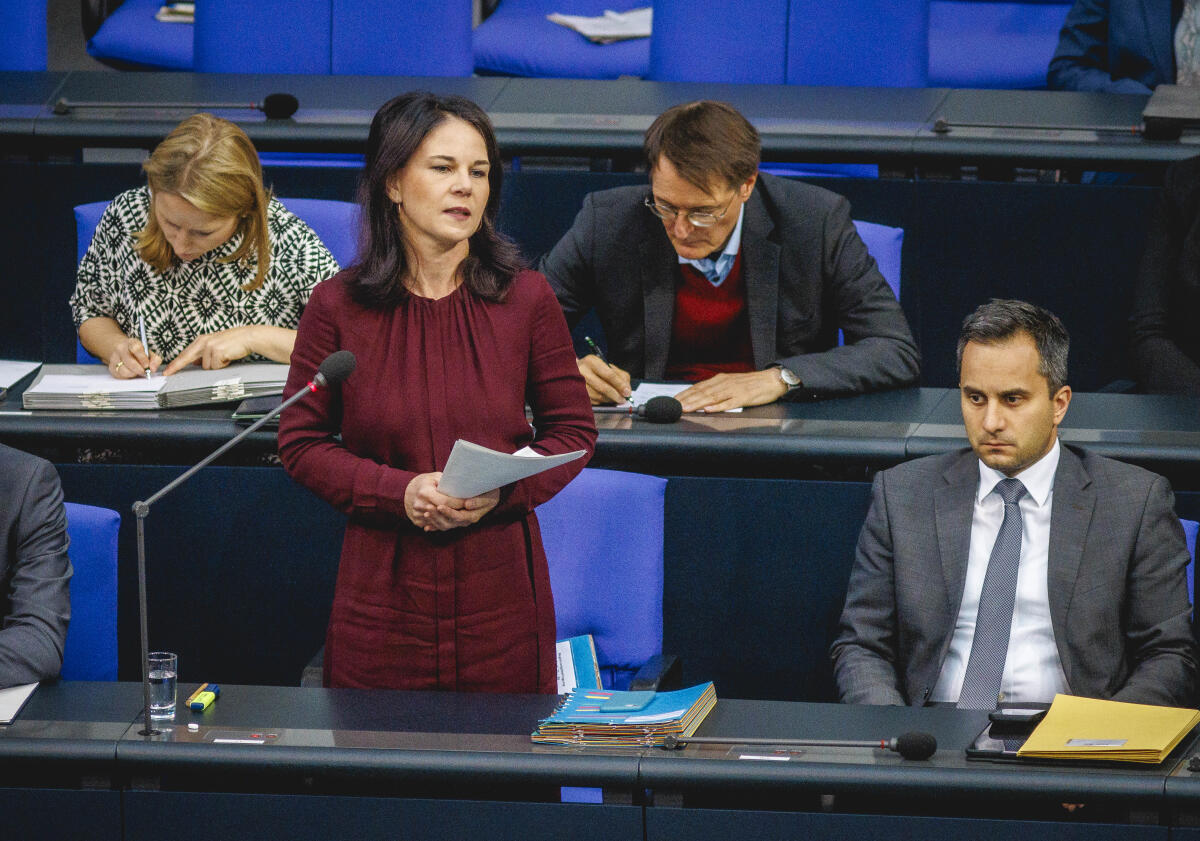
[(989, 648), (1187, 45)]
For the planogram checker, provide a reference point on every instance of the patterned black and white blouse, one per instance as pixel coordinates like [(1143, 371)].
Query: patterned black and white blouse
[(201, 296)]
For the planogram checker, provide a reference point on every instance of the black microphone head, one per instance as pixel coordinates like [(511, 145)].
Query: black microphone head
[(916, 745), (279, 106), (337, 366), (661, 410)]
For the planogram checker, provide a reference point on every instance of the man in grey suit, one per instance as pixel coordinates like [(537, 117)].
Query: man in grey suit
[(35, 604), (732, 279), (1018, 568)]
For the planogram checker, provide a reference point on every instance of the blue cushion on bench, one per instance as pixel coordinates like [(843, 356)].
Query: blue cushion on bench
[(131, 34), (517, 40)]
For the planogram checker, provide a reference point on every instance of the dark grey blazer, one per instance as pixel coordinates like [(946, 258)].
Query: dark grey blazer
[(1117, 588), (807, 274), (35, 604)]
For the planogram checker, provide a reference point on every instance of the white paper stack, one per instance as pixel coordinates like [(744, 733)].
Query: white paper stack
[(91, 387)]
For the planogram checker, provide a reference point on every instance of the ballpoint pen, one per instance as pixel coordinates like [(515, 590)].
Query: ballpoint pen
[(145, 347)]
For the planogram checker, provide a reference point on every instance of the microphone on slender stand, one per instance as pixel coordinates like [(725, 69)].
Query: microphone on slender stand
[(336, 368), (908, 745)]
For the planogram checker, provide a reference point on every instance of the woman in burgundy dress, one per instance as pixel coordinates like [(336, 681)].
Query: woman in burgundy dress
[(453, 337)]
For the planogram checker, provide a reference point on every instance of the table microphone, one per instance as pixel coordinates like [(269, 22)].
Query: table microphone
[(908, 745), (660, 410), (337, 367), (276, 106)]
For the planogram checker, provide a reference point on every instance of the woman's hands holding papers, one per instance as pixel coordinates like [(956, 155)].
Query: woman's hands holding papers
[(431, 510)]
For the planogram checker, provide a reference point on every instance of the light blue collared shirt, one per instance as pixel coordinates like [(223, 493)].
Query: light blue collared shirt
[(717, 270)]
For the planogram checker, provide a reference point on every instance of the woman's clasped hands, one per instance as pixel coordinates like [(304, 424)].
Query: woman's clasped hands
[(431, 510)]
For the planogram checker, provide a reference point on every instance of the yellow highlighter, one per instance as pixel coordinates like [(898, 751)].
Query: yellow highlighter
[(202, 698)]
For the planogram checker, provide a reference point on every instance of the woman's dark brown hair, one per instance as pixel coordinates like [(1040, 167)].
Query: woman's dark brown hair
[(397, 130)]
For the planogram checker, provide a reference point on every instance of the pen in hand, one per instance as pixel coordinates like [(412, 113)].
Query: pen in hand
[(600, 355), (145, 347)]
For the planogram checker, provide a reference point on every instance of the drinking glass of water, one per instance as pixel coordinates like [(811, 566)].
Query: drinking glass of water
[(164, 668)]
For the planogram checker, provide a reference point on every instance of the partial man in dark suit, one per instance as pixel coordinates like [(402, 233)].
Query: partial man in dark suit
[(732, 279), (35, 604), (1124, 46), (1018, 568)]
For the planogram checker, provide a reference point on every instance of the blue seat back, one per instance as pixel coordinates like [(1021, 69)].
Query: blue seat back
[(91, 649), (742, 41), (603, 535), (885, 244), (335, 222), (263, 36), (87, 217), (986, 44), (23, 35), (387, 38), (132, 35), (1190, 529), (865, 43), (517, 40)]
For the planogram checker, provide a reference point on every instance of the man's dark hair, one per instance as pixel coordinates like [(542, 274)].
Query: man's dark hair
[(999, 320), (704, 140), (397, 130)]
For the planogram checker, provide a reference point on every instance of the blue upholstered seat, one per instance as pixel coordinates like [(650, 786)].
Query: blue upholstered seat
[(131, 35), (517, 40), (603, 535), (983, 44), (23, 35), (91, 649)]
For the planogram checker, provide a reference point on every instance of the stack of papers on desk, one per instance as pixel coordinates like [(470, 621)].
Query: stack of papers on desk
[(580, 721), (1087, 728), (92, 387)]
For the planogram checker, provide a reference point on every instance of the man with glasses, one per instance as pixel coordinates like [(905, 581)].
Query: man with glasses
[(735, 280)]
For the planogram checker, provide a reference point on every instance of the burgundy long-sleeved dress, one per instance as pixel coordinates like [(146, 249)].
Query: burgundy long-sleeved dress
[(469, 609)]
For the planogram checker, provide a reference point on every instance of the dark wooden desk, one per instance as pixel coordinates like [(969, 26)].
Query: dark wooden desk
[(375, 765)]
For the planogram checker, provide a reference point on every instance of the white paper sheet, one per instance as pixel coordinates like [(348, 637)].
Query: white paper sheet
[(472, 470), (609, 27), (12, 699), (11, 372)]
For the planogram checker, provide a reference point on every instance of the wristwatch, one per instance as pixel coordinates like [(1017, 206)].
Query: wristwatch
[(788, 377)]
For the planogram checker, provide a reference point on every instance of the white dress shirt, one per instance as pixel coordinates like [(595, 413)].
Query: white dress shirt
[(1032, 669)]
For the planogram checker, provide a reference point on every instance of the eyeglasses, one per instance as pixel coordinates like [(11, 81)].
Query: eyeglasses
[(696, 218)]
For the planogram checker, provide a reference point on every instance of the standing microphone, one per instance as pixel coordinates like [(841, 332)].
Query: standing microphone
[(336, 368), (908, 745), (660, 410), (276, 106)]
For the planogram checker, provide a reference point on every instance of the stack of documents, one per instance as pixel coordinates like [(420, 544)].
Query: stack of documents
[(1087, 728), (581, 718), (92, 387)]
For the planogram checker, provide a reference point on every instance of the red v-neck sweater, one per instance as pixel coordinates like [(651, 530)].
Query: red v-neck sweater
[(710, 333)]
